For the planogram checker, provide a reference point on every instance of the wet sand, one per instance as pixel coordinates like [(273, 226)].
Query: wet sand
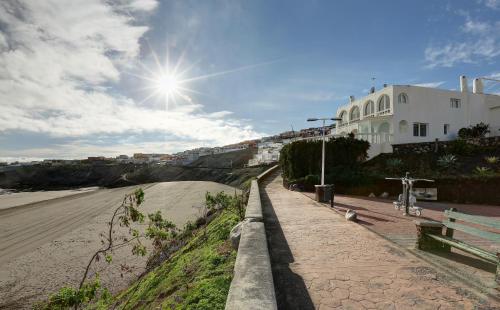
[(46, 245)]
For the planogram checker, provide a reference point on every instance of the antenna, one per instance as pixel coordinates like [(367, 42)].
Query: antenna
[(373, 81)]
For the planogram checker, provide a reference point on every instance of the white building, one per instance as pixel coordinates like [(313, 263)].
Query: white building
[(267, 152), (410, 114)]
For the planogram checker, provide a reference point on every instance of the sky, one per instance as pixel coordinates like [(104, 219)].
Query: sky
[(88, 77)]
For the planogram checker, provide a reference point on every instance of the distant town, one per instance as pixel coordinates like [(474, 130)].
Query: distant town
[(268, 150)]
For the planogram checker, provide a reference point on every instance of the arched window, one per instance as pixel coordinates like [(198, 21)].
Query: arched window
[(369, 108), (384, 104), (343, 116), (354, 114), (403, 126), (403, 98)]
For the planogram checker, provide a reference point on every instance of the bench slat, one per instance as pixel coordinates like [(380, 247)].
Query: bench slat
[(473, 231), (476, 219), (491, 257)]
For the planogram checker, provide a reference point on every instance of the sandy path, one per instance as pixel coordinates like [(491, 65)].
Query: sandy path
[(46, 245), (9, 200)]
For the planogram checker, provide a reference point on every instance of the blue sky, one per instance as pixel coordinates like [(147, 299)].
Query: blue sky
[(76, 77)]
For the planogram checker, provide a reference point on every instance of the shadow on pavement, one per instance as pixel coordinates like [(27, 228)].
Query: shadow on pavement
[(291, 291)]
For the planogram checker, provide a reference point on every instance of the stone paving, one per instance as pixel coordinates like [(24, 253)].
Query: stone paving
[(321, 261), (380, 216)]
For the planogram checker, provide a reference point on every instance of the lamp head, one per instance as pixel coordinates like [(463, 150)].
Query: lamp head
[(312, 119)]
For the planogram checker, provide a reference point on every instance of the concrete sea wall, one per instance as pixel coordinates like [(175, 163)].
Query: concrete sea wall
[(252, 286)]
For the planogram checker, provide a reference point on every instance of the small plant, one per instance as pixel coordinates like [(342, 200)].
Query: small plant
[(483, 171), (447, 161), (159, 231), (491, 159)]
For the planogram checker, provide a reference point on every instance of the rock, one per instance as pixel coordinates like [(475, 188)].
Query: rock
[(384, 195), (372, 195), (235, 235), (351, 215)]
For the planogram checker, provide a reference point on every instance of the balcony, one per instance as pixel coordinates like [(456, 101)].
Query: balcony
[(384, 112)]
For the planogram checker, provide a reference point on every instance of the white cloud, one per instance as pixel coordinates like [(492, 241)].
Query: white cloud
[(476, 27), (430, 84), (57, 60), (493, 4), (480, 41)]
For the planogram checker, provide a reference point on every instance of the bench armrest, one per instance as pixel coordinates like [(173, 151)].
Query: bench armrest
[(423, 223)]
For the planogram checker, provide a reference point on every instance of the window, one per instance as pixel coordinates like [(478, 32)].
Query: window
[(403, 98), (446, 129), (403, 126), (384, 103), (369, 108), (354, 114), (420, 130), (343, 116), (455, 103)]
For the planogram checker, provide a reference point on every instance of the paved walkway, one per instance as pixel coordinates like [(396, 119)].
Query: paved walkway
[(380, 216), (322, 261)]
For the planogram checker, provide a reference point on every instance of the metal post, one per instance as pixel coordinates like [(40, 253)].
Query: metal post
[(407, 194), (332, 195), (323, 157)]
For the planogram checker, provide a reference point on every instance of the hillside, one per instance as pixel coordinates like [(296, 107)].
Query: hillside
[(215, 168)]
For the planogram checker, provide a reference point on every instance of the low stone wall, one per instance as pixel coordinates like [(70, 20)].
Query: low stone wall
[(436, 146), (252, 286)]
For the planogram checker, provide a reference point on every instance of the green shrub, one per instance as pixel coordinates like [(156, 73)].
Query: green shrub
[(302, 158), (312, 179), (461, 147), (447, 161), (477, 131), (394, 165)]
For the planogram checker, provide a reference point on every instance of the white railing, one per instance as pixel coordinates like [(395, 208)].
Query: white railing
[(384, 112), (373, 138)]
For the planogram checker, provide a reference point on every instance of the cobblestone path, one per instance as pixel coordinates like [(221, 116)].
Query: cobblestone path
[(321, 261)]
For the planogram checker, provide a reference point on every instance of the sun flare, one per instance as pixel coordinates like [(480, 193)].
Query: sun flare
[(167, 84)]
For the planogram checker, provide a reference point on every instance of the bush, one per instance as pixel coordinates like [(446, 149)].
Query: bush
[(312, 179), (302, 158), (477, 131), (394, 165), (461, 147)]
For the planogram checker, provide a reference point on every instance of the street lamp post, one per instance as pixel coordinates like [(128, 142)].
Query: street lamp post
[(324, 119)]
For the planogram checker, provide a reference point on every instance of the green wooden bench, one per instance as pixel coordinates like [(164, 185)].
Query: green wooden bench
[(430, 235)]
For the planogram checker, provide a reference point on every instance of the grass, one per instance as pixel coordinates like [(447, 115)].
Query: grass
[(197, 276)]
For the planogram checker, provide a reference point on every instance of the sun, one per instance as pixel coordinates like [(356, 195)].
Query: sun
[(167, 84)]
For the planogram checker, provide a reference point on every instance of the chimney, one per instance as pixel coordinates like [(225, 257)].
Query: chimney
[(351, 99), (372, 90), (477, 86), (463, 84)]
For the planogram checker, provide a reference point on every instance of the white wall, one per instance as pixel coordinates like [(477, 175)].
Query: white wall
[(432, 106)]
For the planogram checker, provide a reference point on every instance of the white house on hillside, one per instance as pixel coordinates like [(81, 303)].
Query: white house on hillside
[(409, 114)]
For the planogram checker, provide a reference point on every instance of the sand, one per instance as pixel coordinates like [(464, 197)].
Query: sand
[(13, 199), (46, 245)]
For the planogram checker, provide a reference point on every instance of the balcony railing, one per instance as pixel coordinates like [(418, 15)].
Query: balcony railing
[(373, 138), (384, 112)]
